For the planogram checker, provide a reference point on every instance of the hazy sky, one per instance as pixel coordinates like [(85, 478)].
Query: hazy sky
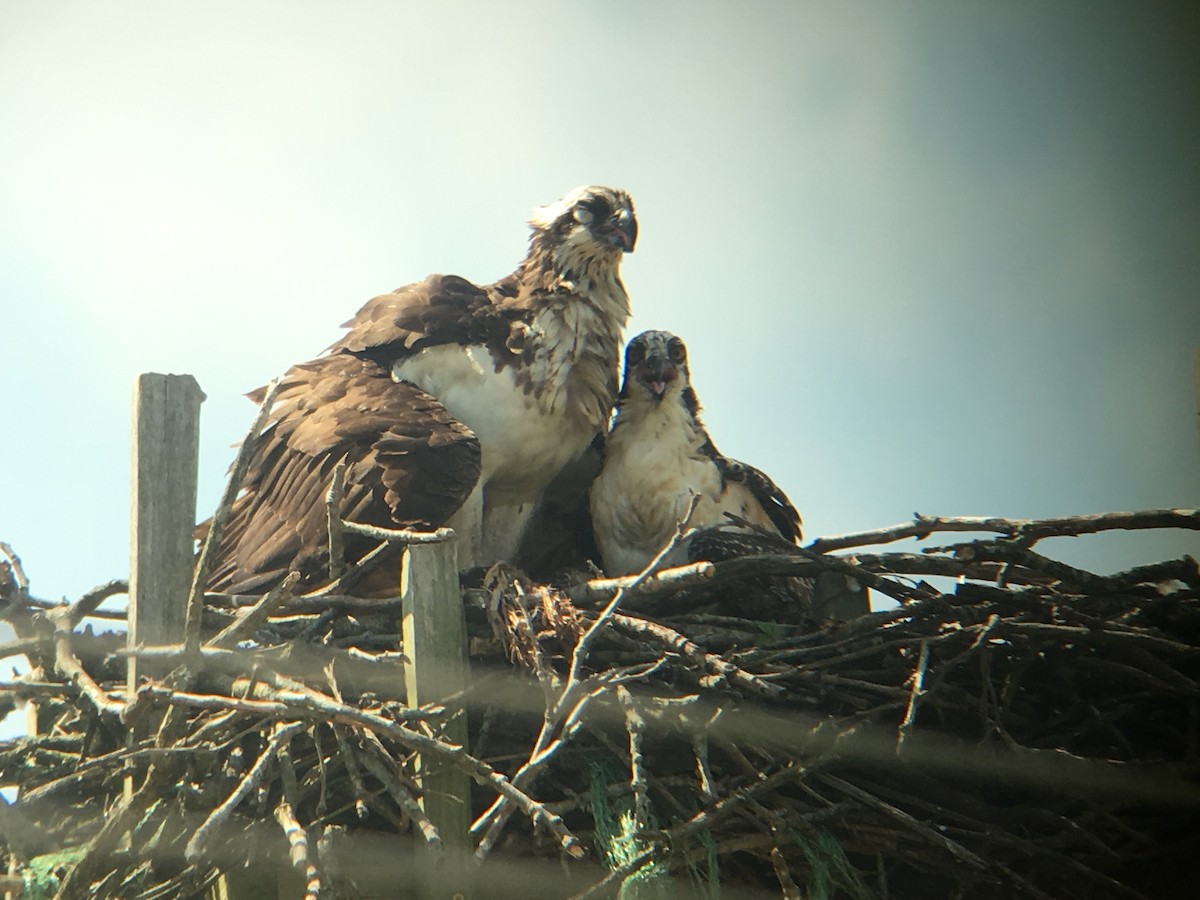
[(938, 256)]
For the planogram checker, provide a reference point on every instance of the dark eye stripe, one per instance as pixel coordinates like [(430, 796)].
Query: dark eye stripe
[(596, 206)]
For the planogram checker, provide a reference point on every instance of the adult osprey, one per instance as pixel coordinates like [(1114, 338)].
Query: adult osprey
[(450, 402), (658, 455)]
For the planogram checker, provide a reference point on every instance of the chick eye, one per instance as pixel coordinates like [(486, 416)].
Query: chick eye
[(678, 353), (635, 355)]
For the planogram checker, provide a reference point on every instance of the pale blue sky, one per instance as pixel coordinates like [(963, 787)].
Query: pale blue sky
[(931, 256)]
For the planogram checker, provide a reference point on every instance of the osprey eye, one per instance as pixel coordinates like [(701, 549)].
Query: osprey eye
[(591, 209), (678, 353), (636, 354)]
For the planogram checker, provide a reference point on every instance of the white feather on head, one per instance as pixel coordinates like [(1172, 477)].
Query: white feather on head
[(544, 217)]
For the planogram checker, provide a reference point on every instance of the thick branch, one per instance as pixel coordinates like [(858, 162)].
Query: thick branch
[(68, 663), (67, 618), (923, 526), (665, 581)]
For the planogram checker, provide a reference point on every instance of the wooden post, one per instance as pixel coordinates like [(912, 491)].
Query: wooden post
[(162, 515), (836, 596), (166, 440), (436, 668)]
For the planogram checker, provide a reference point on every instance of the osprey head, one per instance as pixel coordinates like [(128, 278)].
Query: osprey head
[(598, 216), (656, 365)]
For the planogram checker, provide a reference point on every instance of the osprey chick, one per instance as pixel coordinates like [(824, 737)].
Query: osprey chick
[(451, 403), (658, 455)]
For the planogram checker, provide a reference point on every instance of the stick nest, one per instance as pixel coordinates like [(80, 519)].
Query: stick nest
[(1012, 727)]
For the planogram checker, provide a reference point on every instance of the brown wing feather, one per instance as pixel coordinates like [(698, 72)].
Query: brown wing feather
[(774, 598), (828, 595), (409, 464), (770, 496), (733, 539), (442, 309)]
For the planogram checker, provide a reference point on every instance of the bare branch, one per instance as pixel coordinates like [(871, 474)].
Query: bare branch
[(298, 851), (786, 883), (403, 797), (350, 761), (68, 663), (400, 535), (1026, 529), (252, 779), (251, 619), (333, 520), (18, 571), (636, 726), (665, 581), (918, 681), (67, 618)]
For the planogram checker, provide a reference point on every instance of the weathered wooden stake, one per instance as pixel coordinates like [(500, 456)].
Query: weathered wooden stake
[(166, 440), (162, 514), (435, 644)]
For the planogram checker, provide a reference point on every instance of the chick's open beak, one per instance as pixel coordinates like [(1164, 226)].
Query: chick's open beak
[(658, 375)]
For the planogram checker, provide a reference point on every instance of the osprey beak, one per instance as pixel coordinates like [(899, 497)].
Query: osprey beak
[(657, 375), (621, 230)]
